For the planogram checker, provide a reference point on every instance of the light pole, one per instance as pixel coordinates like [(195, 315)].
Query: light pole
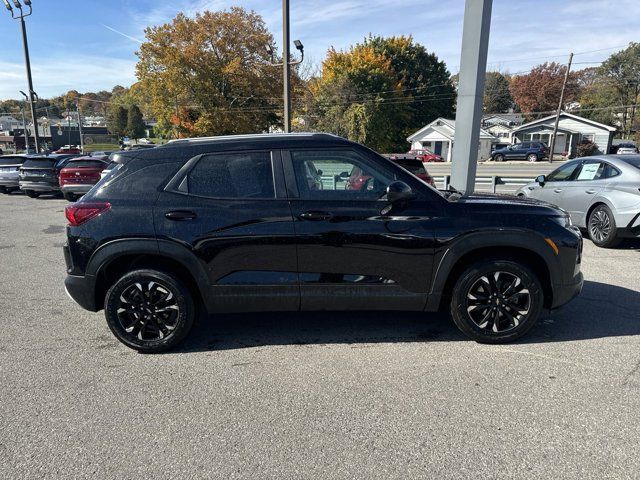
[(286, 64), (24, 124), (27, 61)]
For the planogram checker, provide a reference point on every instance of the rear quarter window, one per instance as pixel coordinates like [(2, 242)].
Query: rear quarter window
[(126, 181)]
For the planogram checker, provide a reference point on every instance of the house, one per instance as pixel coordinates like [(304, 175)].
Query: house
[(9, 123), (501, 125), (572, 129), (439, 136)]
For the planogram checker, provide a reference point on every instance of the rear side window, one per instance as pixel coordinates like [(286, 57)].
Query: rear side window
[(232, 175)]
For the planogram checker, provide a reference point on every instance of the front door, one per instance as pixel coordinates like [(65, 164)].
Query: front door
[(231, 211), (354, 251), (555, 183)]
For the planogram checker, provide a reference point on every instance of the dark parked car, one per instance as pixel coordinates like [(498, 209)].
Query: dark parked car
[(232, 224), (79, 175), (9, 170), (39, 174), (530, 151)]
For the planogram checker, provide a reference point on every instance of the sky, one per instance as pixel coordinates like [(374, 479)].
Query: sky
[(89, 45)]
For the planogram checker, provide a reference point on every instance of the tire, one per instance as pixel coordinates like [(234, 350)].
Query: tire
[(532, 157), (496, 323), (5, 190), (70, 197), (498, 158), (602, 227), (32, 194), (127, 310)]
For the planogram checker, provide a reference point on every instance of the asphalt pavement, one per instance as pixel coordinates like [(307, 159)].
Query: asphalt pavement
[(354, 395)]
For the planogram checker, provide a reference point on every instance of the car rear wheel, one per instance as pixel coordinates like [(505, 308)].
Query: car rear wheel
[(70, 197), (532, 157), (149, 311), (496, 301), (602, 227), (499, 158), (32, 194)]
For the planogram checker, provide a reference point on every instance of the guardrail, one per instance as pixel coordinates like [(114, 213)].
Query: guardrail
[(491, 183), (443, 181)]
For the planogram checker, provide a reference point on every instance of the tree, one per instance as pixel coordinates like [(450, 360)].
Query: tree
[(379, 91), (211, 74), (117, 120), (497, 97), (135, 124), (538, 92), (586, 148)]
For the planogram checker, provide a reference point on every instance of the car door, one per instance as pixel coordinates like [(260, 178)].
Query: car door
[(555, 183), (230, 209), (588, 182), (355, 251)]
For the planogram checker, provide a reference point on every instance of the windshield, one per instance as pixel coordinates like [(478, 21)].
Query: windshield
[(631, 160)]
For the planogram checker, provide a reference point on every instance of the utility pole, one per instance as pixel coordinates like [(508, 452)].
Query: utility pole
[(80, 128), (24, 131), (286, 66), (555, 125), (473, 65)]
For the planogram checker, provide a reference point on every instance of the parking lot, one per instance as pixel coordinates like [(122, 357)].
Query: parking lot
[(353, 395)]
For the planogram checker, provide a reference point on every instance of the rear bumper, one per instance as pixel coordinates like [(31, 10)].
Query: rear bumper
[(563, 294), (38, 186), (8, 180), (78, 188), (81, 289)]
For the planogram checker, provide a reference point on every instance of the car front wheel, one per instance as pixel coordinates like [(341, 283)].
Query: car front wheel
[(149, 311), (496, 301), (602, 227)]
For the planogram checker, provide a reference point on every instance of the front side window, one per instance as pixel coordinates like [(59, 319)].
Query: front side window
[(563, 173), (338, 175), (232, 175)]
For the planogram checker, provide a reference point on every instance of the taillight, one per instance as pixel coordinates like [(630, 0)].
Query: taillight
[(80, 213)]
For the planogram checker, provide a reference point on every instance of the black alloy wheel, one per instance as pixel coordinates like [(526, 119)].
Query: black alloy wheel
[(149, 311), (602, 227), (496, 301)]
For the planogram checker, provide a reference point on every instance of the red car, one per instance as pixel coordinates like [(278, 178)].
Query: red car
[(358, 180), (426, 155), (68, 150), (79, 175)]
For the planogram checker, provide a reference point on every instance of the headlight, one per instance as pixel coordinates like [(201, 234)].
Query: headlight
[(563, 221)]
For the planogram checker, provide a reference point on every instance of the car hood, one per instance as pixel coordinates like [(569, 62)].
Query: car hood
[(505, 204)]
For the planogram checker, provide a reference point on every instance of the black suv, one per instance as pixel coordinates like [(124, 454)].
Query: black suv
[(239, 224), (530, 151), (39, 174)]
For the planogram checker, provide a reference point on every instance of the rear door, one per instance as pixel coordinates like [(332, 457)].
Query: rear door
[(230, 209), (354, 251)]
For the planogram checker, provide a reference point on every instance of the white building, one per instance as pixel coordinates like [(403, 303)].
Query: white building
[(501, 125), (439, 137), (572, 129)]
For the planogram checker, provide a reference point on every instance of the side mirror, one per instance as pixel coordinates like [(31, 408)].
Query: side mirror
[(399, 191), (541, 179)]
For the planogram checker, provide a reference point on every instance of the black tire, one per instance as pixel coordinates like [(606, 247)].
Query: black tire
[(4, 190), (32, 194), (532, 157), (498, 158), (70, 197), (509, 310), (132, 312), (602, 227)]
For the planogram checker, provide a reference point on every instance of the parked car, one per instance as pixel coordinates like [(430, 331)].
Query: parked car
[(9, 169), (601, 193), (499, 146), (426, 155), (39, 174), (107, 169), (68, 150), (530, 151), (101, 153), (626, 149), (231, 224), (358, 180), (79, 175)]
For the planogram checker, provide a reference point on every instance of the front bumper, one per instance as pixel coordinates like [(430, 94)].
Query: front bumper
[(38, 186), (564, 293)]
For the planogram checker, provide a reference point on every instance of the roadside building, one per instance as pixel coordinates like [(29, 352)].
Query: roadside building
[(572, 129), (439, 137), (501, 125)]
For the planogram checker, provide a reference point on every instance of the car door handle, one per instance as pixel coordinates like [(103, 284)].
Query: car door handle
[(180, 215), (315, 215), (590, 191), (557, 190)]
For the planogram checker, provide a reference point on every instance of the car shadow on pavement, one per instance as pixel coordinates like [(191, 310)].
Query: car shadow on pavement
[(600, 311)]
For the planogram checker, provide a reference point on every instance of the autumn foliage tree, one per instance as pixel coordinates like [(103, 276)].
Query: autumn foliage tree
[(211, 74), (538, 92)]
